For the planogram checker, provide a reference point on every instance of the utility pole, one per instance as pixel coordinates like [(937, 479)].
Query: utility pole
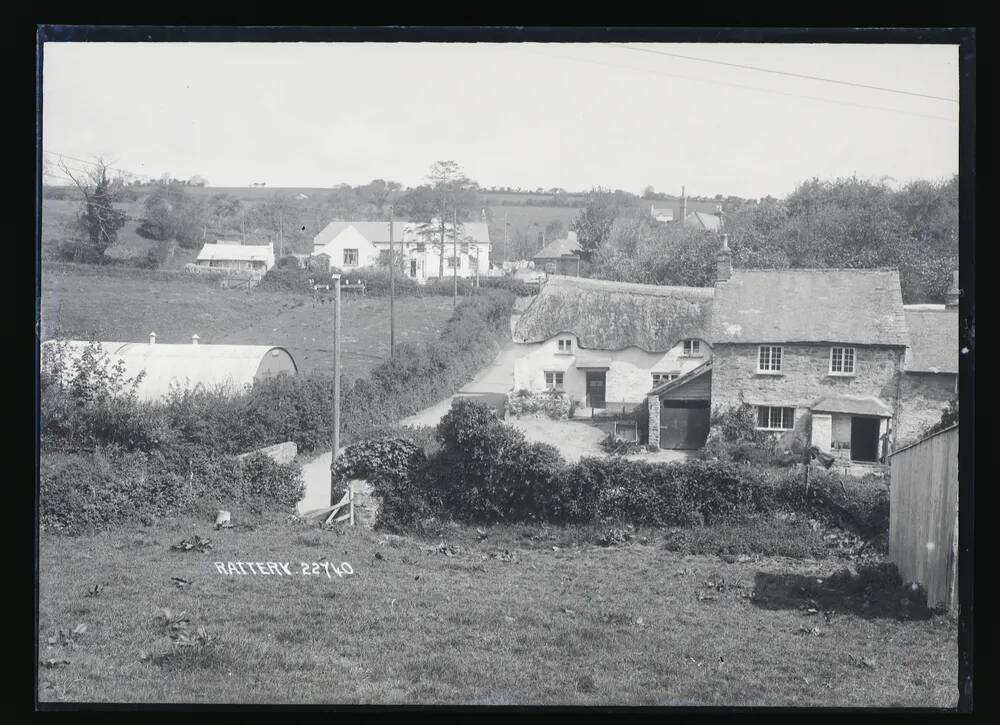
[(336, 381), (392, 292), (281, 238), (243, 225), (505, 235), (454, 249)]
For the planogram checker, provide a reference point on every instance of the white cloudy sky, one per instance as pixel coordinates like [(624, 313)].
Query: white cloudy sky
[(528, 115)]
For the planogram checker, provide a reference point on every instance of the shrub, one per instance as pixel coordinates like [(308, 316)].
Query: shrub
[(619, 446), (288, 279), (390, 465), (552, 403)]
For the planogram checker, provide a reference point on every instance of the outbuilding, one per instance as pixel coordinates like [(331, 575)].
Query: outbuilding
[(190, 366)]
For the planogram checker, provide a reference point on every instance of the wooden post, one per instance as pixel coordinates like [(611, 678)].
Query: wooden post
[(350, 501), (454, 251), (336, 379), (392, 293)]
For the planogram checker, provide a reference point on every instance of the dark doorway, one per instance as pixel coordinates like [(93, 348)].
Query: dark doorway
[(596, 385), (684, 424), (413, 268), (864, 439)]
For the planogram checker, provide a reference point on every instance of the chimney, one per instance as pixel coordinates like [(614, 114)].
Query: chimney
[(724, 261), (194, 339), (684, 206), (951, 298), (152, 338)]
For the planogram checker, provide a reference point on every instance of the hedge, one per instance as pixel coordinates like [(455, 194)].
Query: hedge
[(486, 471)]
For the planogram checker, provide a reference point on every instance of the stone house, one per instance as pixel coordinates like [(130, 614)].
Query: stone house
[(605, 344), (820, 351), (930, 369), (561, 256)]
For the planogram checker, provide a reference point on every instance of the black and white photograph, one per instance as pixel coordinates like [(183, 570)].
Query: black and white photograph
[(512, 369)]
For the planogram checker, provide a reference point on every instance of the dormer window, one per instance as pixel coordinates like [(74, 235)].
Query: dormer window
[(566, 346), (692, 348)]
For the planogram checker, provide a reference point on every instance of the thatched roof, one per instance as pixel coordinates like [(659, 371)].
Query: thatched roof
[(615, 315)]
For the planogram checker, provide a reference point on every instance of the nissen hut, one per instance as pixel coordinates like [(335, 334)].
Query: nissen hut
[(606, 344), (231, 368)]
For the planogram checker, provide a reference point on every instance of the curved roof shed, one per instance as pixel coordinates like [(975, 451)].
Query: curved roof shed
[(191, 366)]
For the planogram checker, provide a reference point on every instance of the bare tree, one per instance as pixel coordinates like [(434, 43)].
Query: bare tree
[(98, 218)]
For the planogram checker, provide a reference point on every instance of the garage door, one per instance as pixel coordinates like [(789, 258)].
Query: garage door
[(684, 424)]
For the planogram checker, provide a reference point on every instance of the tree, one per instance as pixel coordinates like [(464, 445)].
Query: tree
[(454, 194), (593, 225), (224, 211), (172, 213), (99, 220), (379, 193), (555, 229), (197, 180), (648, 192)]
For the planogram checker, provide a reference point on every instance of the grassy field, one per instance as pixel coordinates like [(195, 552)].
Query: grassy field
[(93, 303), (526, 616)]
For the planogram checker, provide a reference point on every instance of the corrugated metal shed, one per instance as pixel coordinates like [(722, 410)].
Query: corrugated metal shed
[(190, 366)]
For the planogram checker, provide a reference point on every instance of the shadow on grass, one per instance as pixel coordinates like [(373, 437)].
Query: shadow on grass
[(873, 592)]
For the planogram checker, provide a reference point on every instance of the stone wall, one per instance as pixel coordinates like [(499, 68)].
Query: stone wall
[(924, 396), (804, 377)]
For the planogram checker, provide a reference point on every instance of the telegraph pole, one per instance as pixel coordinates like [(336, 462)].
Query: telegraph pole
[(454, 249), (243, 226), (504, 235), (281, 238), (392, 292), (336, 380)]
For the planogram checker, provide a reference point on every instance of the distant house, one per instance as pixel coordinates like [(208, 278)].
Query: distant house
[(350, 245), (233, 255), (607, 343), (820, 351), (704, 215), (561, 256), (167, 367), (930, 377)]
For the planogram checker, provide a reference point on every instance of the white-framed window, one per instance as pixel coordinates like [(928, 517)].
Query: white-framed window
[(463, 248), (553, 380), (842, 360), (565, 345), (664, 377), (350, 257), (769, 359), (775, 418), (692, 348)]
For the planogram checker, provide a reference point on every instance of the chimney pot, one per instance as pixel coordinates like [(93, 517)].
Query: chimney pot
[(194, 339), (951, 298), (152, 338), (724, 261)]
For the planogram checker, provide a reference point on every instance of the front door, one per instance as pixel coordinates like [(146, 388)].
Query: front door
[(413, 268), (596, 384), (864, 439)]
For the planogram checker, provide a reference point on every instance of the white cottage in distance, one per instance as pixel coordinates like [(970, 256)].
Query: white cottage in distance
[(234, 255), (607, 344), (350, 245)]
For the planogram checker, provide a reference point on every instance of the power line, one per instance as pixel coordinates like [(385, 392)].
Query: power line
[(782, 73), (751, 88)]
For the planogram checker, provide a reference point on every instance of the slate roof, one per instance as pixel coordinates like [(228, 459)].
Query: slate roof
[(568, 247), (933, 339), (378, 232), (699, 219), (850, 404), (607, 315), (684, 379), (860, 306), (241, 252)]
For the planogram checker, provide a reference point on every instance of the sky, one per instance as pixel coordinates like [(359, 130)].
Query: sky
[(569, 115)]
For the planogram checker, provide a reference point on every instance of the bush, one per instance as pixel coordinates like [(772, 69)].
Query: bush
[(552, 403), (390, 466), (288, 279), (619, 446)]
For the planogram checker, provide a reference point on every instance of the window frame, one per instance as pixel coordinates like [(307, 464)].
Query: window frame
[(770, 417), (453, 263), (668, 375), (691, 347), (564, 346), (843, 359), (770, 370), (356, 257), (555, 385)]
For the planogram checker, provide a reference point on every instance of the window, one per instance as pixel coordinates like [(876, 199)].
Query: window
[(770, 418), (664, 377), (473, 263), (692, 348), (350, 257), (769, 360), (451, 262), (421, 248), (463, 248), (554, 380), (566, 346), (842, 361), (383, 256)]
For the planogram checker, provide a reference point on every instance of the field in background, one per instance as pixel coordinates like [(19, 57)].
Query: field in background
[(526, 616), (81, 302)]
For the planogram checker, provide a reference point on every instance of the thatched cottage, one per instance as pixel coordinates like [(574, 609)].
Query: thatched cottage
[(607, 343)]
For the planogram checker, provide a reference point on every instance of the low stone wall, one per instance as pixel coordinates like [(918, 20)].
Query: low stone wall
[(279, 453)]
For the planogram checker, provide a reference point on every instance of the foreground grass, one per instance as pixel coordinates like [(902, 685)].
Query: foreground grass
[(564, 622)]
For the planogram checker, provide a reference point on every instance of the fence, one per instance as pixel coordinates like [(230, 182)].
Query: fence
[(923, 515)]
